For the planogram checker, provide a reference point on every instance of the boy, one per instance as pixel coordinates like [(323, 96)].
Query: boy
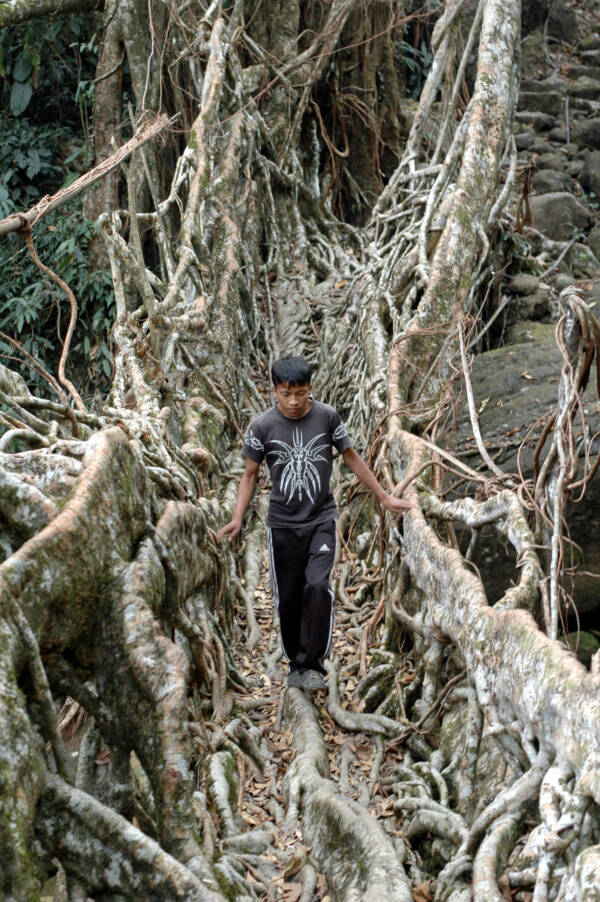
[(297, 436)]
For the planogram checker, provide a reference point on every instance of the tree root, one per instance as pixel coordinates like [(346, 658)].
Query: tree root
[(336, 824)]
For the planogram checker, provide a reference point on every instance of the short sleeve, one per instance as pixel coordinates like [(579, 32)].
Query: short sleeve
[(253, 446), (339, 433)]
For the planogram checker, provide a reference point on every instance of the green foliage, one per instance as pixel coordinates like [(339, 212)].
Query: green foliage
[(35, 311), (46, 89), (42, 66), (27, 164), (417, 62)]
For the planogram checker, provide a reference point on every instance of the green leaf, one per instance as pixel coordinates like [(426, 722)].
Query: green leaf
[(22, 68), (20, 96), (35, 163), (69, 179)]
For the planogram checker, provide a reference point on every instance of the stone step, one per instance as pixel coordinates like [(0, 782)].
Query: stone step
[(551, 102), (535, 120), (586, 88), (579, 71), (591, 57)]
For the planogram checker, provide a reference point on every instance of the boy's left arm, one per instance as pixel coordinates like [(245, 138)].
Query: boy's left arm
[(368, 478)]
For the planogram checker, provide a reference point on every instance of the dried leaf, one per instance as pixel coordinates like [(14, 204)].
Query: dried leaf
[(292, 892), (297, 861), (340, 284), (504, 885), (103, 756), (422, 892)]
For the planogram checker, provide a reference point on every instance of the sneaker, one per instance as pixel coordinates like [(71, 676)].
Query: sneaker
[(313, 680), (296, 679)]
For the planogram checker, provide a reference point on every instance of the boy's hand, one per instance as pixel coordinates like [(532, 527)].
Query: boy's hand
[(397, 505), (232, 529)]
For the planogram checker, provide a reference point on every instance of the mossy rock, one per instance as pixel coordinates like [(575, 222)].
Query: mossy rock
[(584, 645)]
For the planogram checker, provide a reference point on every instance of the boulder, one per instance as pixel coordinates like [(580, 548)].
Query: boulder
[(582, 262), (523, 283), (571, 149), (519, 383), (587, 88), (541, 147), (542, 86), (593, 241), (574, 168), (563, 280), (537, 306), (562, 23), (591, 57), (551, 102), (537, 121), (559, 135), (558, 213), (590, 42), (550, 181), (524, 140), (579, 71), (590, 172), (552, 160)]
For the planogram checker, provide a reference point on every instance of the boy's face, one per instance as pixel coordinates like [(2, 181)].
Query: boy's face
[(293, 400)]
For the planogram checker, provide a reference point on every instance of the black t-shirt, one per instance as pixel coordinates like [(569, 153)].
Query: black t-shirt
[(300, 457)]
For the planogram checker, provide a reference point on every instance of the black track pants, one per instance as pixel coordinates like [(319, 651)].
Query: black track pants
[(301, 559)]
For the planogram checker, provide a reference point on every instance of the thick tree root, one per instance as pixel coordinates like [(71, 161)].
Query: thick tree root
[(357, 858)]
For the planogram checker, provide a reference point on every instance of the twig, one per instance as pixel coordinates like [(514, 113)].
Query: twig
[(73, 319), (472, 410), (60, 394)]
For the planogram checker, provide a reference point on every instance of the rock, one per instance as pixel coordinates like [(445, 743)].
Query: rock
[(523, 283), (551, 102), (558, 213), (571, 149), (537, 121), (591, 57), (558, 134), (550, 181), (582, 262), (524, 140), (541, 147), (587, 88), (537, 306), (584, 645), (519, 383), (590, 42), (582, 105), (574, 168), (578, 71), (551, 160), (537, 86), (527, 331), (563, 280), (590, 172), (593, 241), (532, 52), (562, 23)]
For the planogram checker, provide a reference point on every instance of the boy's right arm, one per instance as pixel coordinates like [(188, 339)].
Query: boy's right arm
[(244, 496)]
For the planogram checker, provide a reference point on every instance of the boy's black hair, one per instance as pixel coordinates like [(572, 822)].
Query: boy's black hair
[(293, 370)]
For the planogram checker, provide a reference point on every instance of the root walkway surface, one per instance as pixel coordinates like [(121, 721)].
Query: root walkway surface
[(350, 801)]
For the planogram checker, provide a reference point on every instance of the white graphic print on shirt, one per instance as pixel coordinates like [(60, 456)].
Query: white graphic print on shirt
[(253, 442), (298, 460)]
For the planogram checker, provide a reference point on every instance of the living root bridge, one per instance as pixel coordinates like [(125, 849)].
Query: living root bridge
[(532, 683), (102, 571)]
